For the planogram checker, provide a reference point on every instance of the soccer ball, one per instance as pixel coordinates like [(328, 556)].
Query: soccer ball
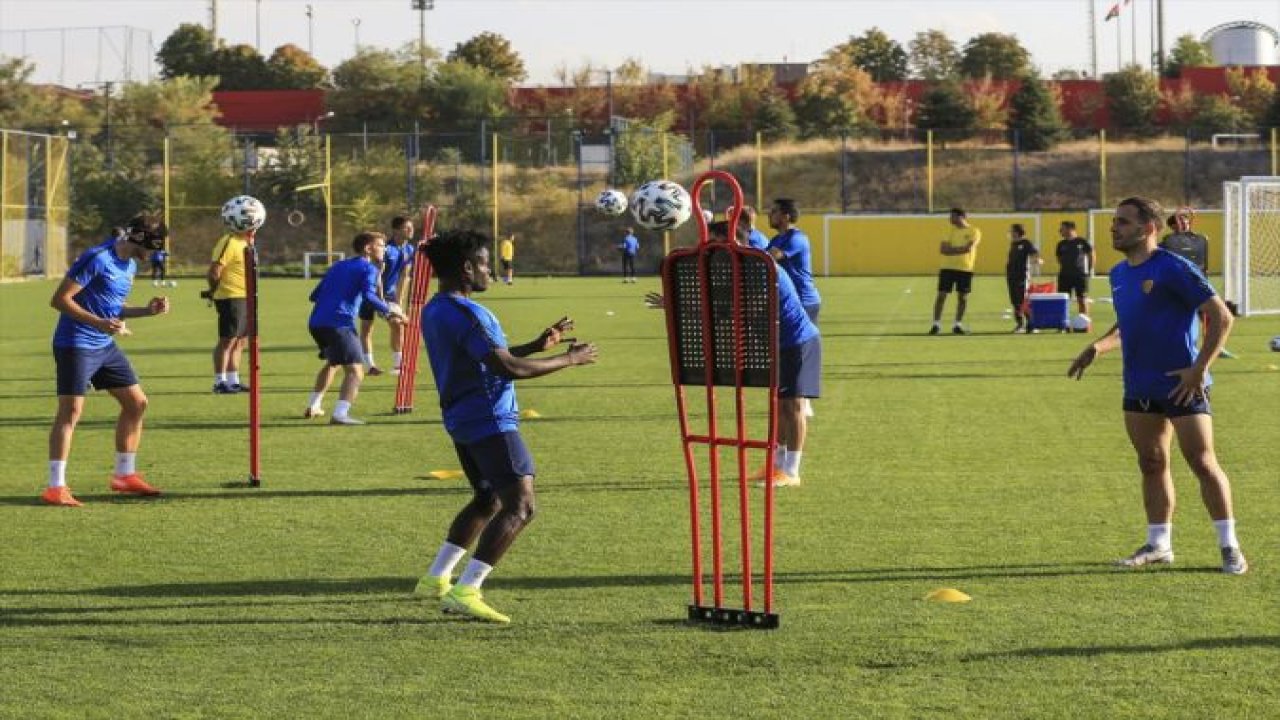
[(243, 213), (1080, 323), (173, 283), (661, 205), (1275, 344), (611, 202)]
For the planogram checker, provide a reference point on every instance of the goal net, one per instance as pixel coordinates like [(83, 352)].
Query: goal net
[(1252, 244)]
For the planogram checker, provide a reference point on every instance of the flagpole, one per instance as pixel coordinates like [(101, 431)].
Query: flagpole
[(1133, 31), (1119, 44), (1093, 40)]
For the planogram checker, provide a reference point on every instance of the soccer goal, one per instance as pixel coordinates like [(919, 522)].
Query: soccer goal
[(319, 260), (1252, 243)]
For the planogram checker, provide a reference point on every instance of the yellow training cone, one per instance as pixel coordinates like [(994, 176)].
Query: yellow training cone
[(950, 595), (445, 474), (530, 414)]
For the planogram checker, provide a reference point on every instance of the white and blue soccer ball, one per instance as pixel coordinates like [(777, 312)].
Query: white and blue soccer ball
[(1275, 344), (611, 202), (243, 213), (661, 205)]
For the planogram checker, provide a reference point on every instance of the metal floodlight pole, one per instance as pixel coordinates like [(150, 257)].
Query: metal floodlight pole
[(311, 26)]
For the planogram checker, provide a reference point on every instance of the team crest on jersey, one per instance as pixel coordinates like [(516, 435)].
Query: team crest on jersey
[(1147, 285)]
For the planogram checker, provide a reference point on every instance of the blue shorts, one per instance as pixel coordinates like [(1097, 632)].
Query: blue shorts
[(367, 311), (1167, 407), (102, 369), (339, 346), (495, 461), (800, 370)]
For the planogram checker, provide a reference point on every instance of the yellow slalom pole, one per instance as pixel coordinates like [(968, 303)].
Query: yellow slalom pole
[(759, 170), (4, 184), (166, 189), (494, 167), (49, 179), (666, 173), (328, 195), (928, 167), (1275, 159), (1102, 168)]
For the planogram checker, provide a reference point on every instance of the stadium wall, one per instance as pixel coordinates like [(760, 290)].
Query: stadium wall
[(908, 244)]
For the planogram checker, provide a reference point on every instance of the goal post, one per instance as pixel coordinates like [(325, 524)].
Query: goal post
[(318, 259), (1253, 243)]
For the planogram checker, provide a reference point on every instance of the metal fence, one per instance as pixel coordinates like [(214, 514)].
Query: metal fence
[(35, 177)]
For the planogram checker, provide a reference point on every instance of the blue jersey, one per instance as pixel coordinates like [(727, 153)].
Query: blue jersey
[(159, 256), (794, 326), (475, 401), (798, 262), (758, 240), (338, 296), (106, 280), (1156, 306), (630, 245), (393, 266)]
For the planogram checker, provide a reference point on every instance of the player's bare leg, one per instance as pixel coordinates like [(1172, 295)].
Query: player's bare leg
[(133, 406), (1195, 438), (1151, 435), (962, 304), (352, 375), (366, 345), (324, 378), (65, 419)]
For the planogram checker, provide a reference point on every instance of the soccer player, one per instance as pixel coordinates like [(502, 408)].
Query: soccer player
[(1193, 246), (1076, 260), (91, 303), (398, 258), (1166, 380), (1024, 257), (159, 267), (799, 366), (791, 249), (227, 288), (630, 247), (959, 252), (507, 257), (755, 238), (345, 286), (474, 370)]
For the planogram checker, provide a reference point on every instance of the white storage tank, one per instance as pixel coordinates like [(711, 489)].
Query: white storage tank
[(1243, 43)]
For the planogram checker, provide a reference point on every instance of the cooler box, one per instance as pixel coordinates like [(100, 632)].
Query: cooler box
[(1049, 311)]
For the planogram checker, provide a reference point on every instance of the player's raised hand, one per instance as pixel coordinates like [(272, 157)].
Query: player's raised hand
[(1082, 361), (582, 353), (654, 300), (158, 305), (555, 334), (1190, 385)]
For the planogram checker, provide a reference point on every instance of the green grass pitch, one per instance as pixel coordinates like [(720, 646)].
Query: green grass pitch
[(966, 462)]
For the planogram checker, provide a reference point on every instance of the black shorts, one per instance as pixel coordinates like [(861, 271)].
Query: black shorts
[(1073, 283), (338, 346), (958, 280), (103, 369), (1017, 290), (800, 370), (1167, 407), (507, 265), (495, 461), (233, 317)]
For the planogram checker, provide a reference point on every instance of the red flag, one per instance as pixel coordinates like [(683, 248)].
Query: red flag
[(1114, 12)]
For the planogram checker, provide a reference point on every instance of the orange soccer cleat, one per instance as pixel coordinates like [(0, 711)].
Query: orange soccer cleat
[(60, 496), (132, 485)]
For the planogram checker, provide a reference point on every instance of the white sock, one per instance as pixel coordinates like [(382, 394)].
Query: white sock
[(937, 325), (792, 467), (779, 458), (341, 409), (395, 359), (1226, 533), (808, 408), (220, 378), (475, 573), (316, 397), (57, 473), (368, 359), (1160, 535), (446, 560), (126, 463), (233, 377)]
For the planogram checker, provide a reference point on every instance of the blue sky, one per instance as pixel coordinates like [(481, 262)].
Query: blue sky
[(668, 36)]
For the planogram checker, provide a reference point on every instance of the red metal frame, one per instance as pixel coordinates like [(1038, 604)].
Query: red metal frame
[(419, 287), (712, 439), (255, 384)]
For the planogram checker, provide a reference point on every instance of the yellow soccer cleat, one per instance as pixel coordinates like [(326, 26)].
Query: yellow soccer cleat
[(433, 587), (466, 600)]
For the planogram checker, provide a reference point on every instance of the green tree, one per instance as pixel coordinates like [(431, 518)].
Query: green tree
[(38, 108), (995, 55), (1186, 52), (376, 84), (1252, 91), (836, 98), (727, 100), (492, 52), (187, 51), (638, 150), (1215, 114), (1133, 94), (241, 67), (944, 107), (1035, 122), (879, 55), (774, 118), (1271, 119), (461, 95), (933, 56), (292, 68)]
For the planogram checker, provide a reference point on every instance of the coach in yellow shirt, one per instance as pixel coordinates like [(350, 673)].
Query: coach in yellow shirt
[(507, 256), (226, 278), (959, 252)]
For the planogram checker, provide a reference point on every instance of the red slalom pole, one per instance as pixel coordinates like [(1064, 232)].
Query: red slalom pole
[(419, 288), (255, 385)]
